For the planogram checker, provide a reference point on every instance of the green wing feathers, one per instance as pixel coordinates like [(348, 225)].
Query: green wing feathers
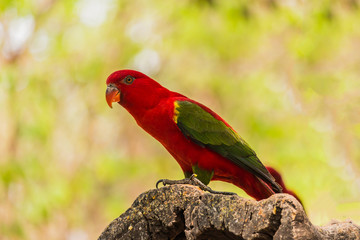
[(204, 129)]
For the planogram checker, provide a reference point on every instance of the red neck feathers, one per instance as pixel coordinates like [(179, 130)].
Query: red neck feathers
[(138, 92)]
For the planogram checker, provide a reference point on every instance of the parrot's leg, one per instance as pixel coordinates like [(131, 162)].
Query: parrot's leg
[(192, 180)]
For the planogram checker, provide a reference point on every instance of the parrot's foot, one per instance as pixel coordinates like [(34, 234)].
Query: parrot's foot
[(192, 180)]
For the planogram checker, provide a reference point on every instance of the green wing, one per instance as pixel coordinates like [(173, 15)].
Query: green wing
[(204, 129)]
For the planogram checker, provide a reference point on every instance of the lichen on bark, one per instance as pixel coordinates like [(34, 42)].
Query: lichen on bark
[(185, 212)]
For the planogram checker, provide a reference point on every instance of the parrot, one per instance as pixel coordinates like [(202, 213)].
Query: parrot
[(197, 138)]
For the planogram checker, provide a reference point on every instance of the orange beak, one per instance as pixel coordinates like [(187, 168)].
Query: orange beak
[(112, 94)]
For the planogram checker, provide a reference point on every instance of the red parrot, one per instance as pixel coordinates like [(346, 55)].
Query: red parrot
[(199, 139)]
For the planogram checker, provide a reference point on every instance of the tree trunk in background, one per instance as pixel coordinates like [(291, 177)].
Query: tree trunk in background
[(185, 212)]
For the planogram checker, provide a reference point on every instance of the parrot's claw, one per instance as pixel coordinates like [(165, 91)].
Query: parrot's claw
[(192, 180), (161, 181)]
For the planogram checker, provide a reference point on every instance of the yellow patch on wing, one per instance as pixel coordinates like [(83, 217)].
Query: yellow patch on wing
[(176, 112)]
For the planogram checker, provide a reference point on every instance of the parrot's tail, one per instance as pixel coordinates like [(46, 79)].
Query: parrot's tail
[(280, 181), (252, 185)]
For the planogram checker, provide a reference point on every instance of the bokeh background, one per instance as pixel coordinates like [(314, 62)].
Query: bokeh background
[(284, 74)]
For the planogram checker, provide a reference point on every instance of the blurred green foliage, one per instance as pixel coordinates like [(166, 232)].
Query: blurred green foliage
[(285, 74)]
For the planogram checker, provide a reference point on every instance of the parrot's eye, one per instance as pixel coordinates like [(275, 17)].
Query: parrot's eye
[(129, 79)]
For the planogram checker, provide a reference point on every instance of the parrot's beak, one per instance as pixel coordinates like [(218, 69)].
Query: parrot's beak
[(112, 94)]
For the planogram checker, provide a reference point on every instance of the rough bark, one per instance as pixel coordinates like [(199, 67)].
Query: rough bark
[(186, 212)]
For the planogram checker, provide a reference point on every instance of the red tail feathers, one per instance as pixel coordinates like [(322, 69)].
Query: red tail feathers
[(280, 181)]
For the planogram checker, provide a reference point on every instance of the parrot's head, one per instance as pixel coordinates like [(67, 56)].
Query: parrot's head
[(132, 89)]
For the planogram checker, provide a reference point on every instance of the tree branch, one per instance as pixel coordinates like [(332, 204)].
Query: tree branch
[(185, 212)]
